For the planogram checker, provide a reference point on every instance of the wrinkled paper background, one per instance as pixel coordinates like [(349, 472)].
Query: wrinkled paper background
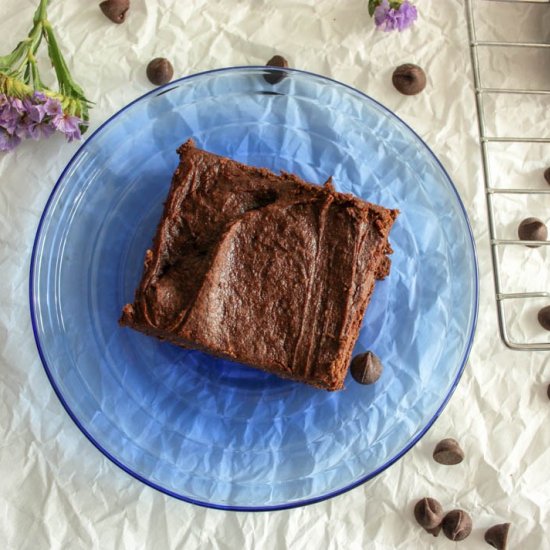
[(58, 491)]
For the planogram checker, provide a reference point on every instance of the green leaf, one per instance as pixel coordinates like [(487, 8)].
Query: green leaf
[(67, 85), (373, 4), (18, 54), (27, 75)]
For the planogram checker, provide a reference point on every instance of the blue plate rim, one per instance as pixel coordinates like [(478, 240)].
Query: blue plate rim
[(290, 505)]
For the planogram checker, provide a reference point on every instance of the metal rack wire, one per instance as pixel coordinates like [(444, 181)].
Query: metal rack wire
[(490, 191)]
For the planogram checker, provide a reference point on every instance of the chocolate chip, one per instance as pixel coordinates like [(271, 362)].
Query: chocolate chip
[(547, 175), (457, 525), (409, 79), (548, 391), (366, 368), (544, 317), (428, 513), (497, 536), (160, 71), (115, 10), (273, 77), (448, 452), (532, 229)]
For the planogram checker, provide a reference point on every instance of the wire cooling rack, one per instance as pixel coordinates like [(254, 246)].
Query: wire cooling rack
[(491, 191)]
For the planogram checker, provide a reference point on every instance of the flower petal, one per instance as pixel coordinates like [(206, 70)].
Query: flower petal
[(8, 142)]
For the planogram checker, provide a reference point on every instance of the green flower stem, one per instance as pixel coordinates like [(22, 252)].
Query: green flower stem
[(15, 62), (41, 13), (35, 75), (34, 39)]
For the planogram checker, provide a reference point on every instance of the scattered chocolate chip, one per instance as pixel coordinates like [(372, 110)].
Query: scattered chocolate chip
[(544, 317), (497, 536), (547, 175), (548, 391), (409, 79), (428, 513), (160, 71), (115, 10), (448, 452), (276, 76), (457, 525), (366, 368), (532, 229)]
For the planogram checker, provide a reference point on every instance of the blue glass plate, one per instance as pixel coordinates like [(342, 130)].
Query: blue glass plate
[(206, 430)]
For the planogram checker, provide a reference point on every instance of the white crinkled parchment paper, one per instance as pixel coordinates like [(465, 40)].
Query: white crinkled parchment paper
[(58, 491)]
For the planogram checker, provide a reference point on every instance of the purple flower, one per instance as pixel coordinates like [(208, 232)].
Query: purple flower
[(67, 124), (34, 117), (29, 129), (39, 96), (21, 131), (9, 117), (17, 105), (40, 130), (53, 107), (35, 111), (20, 111), (4, 106), (388, 19), (8, 141), (408, 14)]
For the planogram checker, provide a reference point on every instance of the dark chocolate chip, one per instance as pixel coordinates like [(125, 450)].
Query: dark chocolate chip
[(409, 79), (457, 525), (544, 317), (428, 513), (115, 10), (547, 175), (532, 229), (276, 76), (160, 71), (548, 391), (448, 452), (497, 536), (366, 368)]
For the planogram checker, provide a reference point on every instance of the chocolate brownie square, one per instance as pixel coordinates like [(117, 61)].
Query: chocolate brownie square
[(263, 269)]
